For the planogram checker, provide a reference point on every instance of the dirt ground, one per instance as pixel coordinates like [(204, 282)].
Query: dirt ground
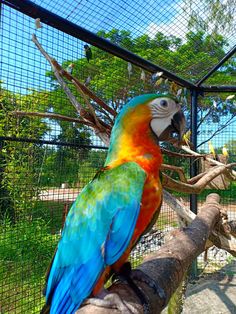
[(213, 294)]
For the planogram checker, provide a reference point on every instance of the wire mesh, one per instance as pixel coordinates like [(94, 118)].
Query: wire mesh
[(172, 24), (217, 133), (45, 162)]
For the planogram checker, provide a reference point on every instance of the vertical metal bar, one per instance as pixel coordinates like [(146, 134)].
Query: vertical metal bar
[(193, 165)]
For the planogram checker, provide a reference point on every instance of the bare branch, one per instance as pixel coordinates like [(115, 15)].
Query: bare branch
[(50, 116), (175, 154), (218, 238), (101, 128), (66, 89), (202, 180), (172, 168), (230, 121), (204, 118), (178, 207)]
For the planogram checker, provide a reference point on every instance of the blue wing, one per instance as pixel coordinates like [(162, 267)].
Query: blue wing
[(97, 231)]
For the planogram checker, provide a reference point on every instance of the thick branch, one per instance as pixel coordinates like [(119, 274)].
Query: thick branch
[(219, 238), (169, 264), (202, 180)]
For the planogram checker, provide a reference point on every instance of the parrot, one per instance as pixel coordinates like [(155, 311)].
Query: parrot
[(88, 52), (212, 150), (225, 151), (186, 138), (116, 207)]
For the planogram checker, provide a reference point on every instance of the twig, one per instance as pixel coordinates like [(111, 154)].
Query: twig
[(56, 66), (175, 154), (203, 180), (219, 130)]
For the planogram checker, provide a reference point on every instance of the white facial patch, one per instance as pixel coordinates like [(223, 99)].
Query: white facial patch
[(163, 109)]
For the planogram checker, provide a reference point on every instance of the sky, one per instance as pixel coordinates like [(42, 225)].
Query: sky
[(23, 67)]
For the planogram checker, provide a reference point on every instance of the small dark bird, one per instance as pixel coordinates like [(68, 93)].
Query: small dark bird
[(88, 52)]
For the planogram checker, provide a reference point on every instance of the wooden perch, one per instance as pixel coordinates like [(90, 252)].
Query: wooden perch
[(169, 264)]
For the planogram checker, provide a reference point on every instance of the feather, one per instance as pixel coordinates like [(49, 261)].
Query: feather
[(130, 68), (230, 97), (143, 76)]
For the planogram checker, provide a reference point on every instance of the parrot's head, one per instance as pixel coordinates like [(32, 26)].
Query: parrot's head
[(167, 119), (143, 122)]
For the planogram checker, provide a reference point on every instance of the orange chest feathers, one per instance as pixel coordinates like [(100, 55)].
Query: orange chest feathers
[(150, 206)]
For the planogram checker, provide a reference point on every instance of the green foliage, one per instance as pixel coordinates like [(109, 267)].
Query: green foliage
[(70, 165), (25, 251), (18, 159), (217, 16)]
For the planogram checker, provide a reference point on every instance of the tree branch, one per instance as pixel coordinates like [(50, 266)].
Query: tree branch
[(101, 129), (202, 180), (169, 264), (219, 130), (50, 116), (206, 115)]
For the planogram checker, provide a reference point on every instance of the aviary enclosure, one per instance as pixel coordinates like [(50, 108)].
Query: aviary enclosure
[(116, 49)]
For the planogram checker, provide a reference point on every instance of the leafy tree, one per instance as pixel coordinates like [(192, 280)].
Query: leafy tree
[(111, 81), (18, 160)]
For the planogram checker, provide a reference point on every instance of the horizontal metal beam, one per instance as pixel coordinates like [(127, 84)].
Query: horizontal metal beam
[(218, 89), (31, 9), (217, 66), (48, 142)]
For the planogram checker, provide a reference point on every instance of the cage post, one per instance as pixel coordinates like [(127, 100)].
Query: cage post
[(193, 164)]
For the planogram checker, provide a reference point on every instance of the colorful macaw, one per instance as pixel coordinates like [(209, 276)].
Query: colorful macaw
[(116, 208)]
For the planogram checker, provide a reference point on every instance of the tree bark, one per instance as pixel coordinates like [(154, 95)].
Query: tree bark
[(168, 265)]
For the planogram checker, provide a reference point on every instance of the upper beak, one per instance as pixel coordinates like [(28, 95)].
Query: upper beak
[(178, 124)]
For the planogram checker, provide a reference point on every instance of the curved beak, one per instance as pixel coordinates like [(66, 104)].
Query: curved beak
[(177, 126)]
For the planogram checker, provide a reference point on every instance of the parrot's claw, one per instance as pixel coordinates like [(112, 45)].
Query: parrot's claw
[(139, 275), (112, 301)]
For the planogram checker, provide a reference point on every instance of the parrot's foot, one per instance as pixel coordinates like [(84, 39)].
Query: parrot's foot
[(125, 274), (139, 275), (111, 301)]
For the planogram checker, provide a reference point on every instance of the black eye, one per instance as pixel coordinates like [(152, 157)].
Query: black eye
[(164, 103)]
